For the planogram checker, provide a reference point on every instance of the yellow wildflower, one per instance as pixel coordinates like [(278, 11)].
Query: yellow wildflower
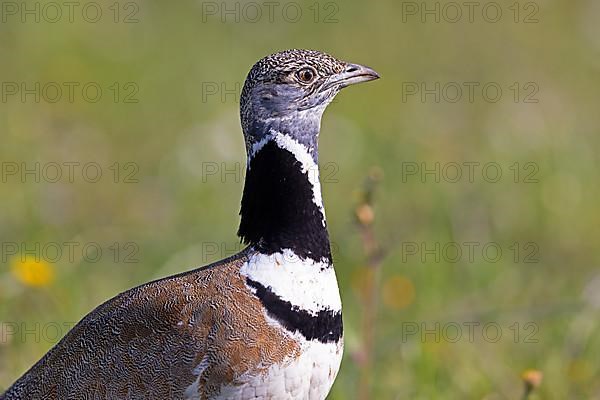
[(32, 272)]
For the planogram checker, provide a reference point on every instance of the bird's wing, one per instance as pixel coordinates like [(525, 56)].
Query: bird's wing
[(179, 337)]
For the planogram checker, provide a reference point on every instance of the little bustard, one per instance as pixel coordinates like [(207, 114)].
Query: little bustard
[(263, 324)]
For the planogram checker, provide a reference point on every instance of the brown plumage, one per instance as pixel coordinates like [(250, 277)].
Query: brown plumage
[(181, 318)]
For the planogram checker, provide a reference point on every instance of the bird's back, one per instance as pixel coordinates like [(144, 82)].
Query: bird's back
[(186, 336)]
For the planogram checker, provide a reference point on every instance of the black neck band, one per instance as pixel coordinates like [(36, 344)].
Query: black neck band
[(278, 211), (324, 326)]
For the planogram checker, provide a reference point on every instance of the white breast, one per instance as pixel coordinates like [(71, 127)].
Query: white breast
[(308, 377), (309, 285)]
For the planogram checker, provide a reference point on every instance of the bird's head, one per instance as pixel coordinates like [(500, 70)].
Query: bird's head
[(288, 92)]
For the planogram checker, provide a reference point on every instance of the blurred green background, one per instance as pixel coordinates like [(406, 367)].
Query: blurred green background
[(164, 133)]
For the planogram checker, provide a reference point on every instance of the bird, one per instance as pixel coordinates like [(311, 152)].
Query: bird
[(265, 323)]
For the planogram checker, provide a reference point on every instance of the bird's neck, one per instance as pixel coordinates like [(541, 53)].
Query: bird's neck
[(282, 208)]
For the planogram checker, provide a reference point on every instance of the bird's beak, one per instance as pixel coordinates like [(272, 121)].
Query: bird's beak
[(354, 73)]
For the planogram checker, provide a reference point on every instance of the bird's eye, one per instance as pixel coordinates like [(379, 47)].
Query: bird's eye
[(306, 75)]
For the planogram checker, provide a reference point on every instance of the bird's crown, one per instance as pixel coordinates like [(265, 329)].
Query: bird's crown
[(285, 64)]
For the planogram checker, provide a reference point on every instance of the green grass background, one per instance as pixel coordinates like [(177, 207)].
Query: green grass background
[(174, 211)]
